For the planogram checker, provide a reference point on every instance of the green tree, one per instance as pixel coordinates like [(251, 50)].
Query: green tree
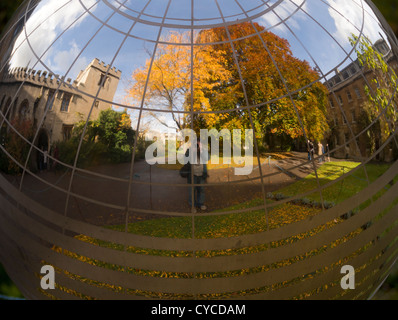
[(381, 93), (109, 139), (114, 130)]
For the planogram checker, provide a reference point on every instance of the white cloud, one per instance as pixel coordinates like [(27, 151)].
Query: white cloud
[(64, 59), (49, 24), (343, 10), (286, 10)]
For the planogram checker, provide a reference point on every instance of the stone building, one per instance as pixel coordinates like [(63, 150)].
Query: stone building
[(53, 104), (346, 99)]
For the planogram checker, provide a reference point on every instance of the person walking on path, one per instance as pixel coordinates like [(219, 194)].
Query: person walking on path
[(197, 171), (310, 150), (327, 151)]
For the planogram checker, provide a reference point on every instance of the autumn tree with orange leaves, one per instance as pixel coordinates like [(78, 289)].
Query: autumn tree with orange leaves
[(265, 74), (170, 79), (253, 79)]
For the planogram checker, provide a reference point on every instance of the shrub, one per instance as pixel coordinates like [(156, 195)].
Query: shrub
[(328, 204), (280, 196), (15, 145), (109, 139), (270, 195)]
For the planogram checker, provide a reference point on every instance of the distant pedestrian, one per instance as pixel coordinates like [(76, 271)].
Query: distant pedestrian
[(310, 148), (327, 151), (320, 152)]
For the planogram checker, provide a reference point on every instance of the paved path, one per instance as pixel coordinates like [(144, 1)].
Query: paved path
[(162, 198)]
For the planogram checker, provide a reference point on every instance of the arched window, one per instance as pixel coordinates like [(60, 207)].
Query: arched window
[(50, 99), (65, 102), (24, 109)]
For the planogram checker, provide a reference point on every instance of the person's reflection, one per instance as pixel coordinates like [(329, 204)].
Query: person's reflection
[(197, 170)]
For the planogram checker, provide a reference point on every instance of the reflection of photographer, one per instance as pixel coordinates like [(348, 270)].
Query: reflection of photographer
[(197, 170)]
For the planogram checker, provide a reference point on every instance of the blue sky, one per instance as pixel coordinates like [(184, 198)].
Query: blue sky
[(69, 39)]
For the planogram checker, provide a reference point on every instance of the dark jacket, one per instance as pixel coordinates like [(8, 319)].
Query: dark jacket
[(189, 169)]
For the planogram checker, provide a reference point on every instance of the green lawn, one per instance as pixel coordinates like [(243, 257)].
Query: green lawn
[(250, 222), (341, 190), (228, 225)]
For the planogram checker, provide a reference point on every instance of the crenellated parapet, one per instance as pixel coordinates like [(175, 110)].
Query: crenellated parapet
[(36, 77), (106, 68), (51, 80)]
